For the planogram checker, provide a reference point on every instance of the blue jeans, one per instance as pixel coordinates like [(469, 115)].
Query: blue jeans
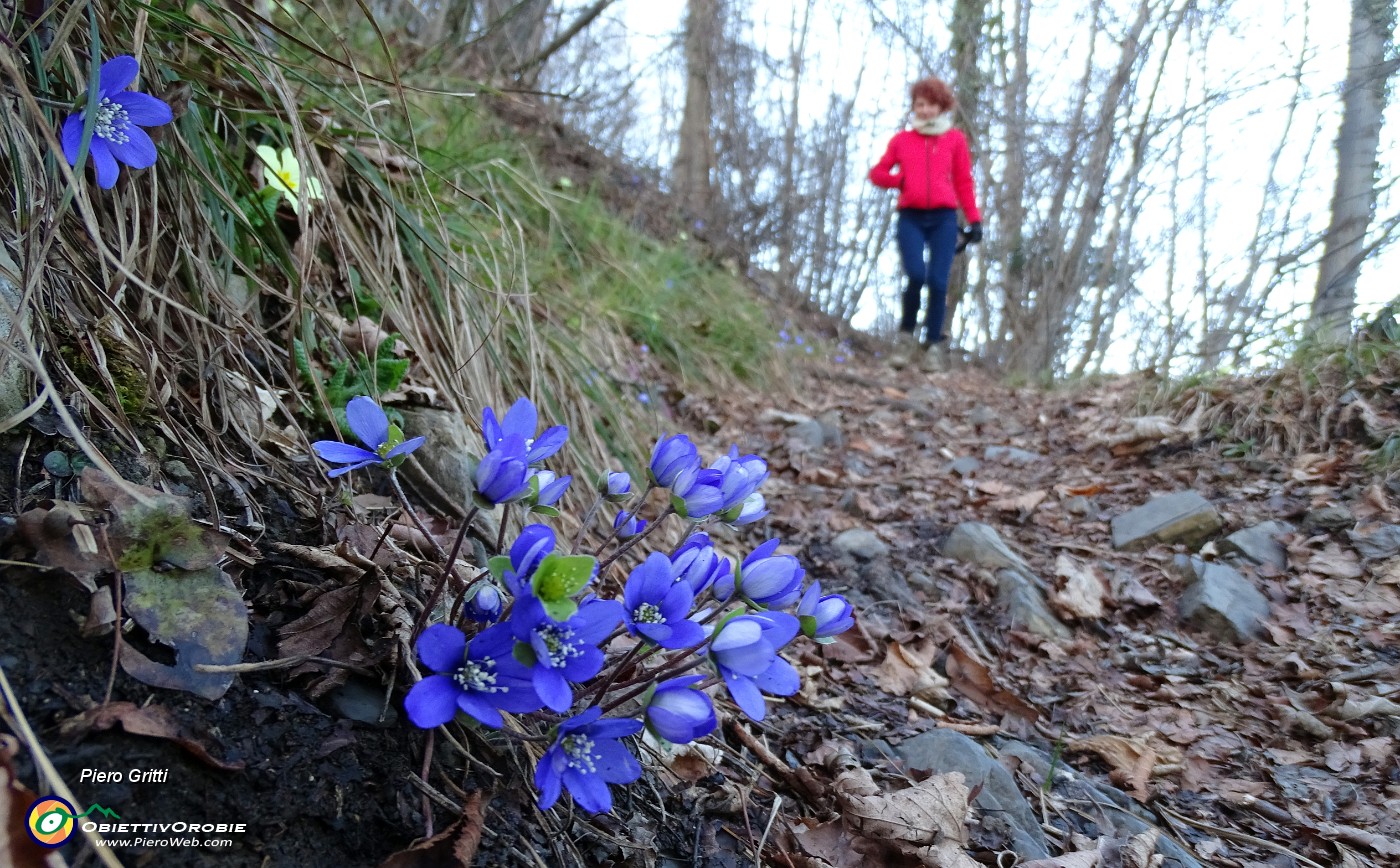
[(931, 231)]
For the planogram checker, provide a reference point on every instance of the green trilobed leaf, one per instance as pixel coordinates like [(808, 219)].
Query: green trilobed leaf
[(559, 577), (560, 610), (809, 625), (498, 566)]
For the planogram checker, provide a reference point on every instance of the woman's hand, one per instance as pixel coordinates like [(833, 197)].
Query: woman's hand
[(973, 233)]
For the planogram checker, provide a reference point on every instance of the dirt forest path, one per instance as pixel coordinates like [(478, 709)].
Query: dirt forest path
[(1241, 706)]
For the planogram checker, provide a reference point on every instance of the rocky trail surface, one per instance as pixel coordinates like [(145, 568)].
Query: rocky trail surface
[(1084, 638), (1133, 650)]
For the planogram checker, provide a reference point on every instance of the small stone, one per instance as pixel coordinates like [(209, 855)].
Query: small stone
[(1260, 544), (963, 466), (861, 543), (1078, 505), (1012, 455), (1224, 604), (1183, 516), (177, 470), (981, 415), (1376, 542), (1003, 808), (976, 543), (832, 432), (1328, 518), (807, 435)]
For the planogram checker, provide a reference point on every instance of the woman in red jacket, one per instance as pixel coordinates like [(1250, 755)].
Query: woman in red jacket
[(930, 166)]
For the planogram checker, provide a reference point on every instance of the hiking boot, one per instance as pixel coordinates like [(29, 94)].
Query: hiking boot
[(905, 346), (933, 361)]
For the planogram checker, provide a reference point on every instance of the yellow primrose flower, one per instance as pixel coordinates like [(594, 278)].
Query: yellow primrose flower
[(283, 173)]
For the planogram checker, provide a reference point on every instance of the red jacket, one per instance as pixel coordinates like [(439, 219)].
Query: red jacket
[(934, 172)]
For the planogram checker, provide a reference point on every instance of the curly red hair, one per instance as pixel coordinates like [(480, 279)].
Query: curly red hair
[(936, 91)]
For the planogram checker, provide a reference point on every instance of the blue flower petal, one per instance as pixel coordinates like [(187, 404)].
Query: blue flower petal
[(442, 648), (615, 762), (432, 701), (553, 689), (685, 634), (143, 109), (335, 452), (547, 780), (368, 421), (548, 443), (479, 708), (780, 679), (71, 138), (615, 727), (117, 74), (341, 471), (589, 791), (521, 420), (405, 447), (138, 151), (745, 695), (105, 163)]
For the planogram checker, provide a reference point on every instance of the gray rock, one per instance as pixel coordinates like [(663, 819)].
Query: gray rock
[(1260, 544), (1018, 589), (1376, 543), (14, 376), (1005, 813), (1012, 455), (1078, 505), (976, 543), (1183, 516), (772, 415), (1328, 518), (177, 470), (861, 543), (832, 433), (964, 466), (1109, 809), (441, 469), (1223, 603), (360, 700), (808, 435), (981, 415)]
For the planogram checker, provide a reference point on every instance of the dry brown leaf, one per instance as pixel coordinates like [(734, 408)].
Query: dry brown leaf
[(149, 720), (456, 845), (908, 671), (1021, 503), (1333, 561), (830, 843), (1131, 759), (17, 849), (1138, 432), (1081, 593), (994, 487), (970, 677)]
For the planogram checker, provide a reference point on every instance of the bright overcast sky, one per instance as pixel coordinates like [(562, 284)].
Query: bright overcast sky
[(1242, 134)]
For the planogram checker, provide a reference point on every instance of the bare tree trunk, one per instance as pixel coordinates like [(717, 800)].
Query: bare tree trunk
[(968, 19), (1354, 196), (787, 196), (695, 152)]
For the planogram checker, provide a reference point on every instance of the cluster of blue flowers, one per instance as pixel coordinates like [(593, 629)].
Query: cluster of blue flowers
[(539, 636)]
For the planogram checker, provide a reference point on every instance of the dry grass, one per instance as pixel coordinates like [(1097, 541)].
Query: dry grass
[(165, 308)]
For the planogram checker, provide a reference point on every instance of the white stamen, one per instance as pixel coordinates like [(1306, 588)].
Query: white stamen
[(579, 750), (477, 676), (112, 121), (647, 613), (558, 648)]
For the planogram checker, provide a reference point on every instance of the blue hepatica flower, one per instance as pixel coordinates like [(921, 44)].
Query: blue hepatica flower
[(485, 605), (558, 652), (551, 487), (628, 525), (656, 606), (696, 492), (769, 580), (535, 542), (117, 134), (616, 486), (503, 474), (678, 712), (368, 422), (481, 679), (670, 458), (740, 476), (751, 510), (586, 756), (745, 651), (698, 564), (521, 420), (823, 617)]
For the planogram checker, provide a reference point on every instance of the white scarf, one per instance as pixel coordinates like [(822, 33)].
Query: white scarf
[(934, 126)]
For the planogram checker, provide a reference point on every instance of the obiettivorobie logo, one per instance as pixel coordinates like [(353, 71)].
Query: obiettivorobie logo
[(51, 820)]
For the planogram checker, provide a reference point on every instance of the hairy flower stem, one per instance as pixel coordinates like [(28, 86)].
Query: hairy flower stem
[(656, 677), (605, 686), (586, 524), (625, 547), (641, 501)]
